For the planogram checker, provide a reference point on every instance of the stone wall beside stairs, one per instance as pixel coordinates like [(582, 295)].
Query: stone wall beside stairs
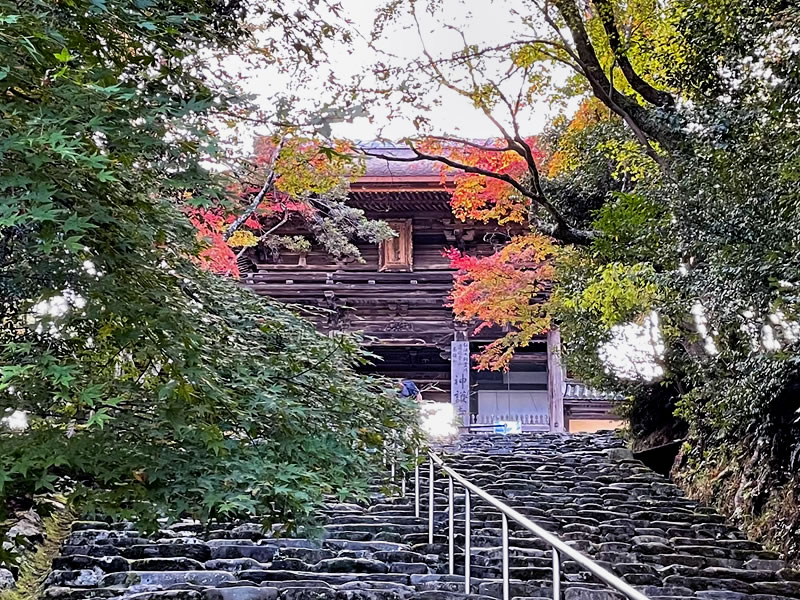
[(586, 488)]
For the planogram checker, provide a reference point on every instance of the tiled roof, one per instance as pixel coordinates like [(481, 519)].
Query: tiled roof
[(381, 167), (575, 390), (384, 168)]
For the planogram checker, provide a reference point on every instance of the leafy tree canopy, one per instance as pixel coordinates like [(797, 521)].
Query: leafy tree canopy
[(292, 181), (151, 387), (673, 192)]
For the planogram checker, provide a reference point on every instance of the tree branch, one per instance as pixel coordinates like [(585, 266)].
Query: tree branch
[(262, 237), (440, 77), (499, 48), (20, 94), (626, 107), (277, 225), (471, 144), (561, 230), (647, 91), (418, 156), (518, 143), (269, 184)]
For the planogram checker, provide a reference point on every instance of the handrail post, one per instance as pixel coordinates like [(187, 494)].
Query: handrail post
[(416, 482), (467, 541), (430, 501), (556, 575), (451, 528), (506, 583), (403, 483)]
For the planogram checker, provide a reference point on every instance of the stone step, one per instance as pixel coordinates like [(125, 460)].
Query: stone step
[(585, 488), (262, 575)]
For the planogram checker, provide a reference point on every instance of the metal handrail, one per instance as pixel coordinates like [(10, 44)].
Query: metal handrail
[(558, 547)]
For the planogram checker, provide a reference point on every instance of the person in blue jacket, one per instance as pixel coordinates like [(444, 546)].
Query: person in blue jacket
[(408, 389)]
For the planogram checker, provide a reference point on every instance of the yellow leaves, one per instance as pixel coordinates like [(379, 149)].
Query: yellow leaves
[(629, 158), (618, 292), (528, 55), (590, 112), (484, 96), (305, 167), (532, 249), (590, 134), (242, 239), (570, 150), (560, 162), (650, 40)]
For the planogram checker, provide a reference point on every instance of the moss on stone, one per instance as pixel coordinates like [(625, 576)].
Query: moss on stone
[(36, 565)]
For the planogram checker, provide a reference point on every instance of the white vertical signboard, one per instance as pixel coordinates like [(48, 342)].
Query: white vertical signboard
[(555, 380), (459, 379)]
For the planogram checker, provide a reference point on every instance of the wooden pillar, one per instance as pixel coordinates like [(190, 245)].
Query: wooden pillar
[(555, 380), (459, 376)]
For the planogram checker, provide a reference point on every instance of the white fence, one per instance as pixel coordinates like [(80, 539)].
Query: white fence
[(525, 419)]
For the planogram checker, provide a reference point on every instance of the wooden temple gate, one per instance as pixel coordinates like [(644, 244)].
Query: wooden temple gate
[(397, 297)]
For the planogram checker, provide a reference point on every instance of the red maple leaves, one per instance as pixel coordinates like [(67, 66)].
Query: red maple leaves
[(303, 169), (216, 255), (506, 289), (481, 197)]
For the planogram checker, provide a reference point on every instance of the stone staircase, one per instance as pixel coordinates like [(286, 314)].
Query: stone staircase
[(586, 488)]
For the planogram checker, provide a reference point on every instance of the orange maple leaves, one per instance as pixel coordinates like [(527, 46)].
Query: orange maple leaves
[(481, 197), (304, 169), (216, 255), (506, 289)]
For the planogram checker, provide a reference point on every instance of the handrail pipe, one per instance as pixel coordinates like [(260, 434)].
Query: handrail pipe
[(558, 547)]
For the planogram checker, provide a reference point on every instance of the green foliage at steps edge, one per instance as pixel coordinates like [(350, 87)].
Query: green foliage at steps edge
[(765, 506)]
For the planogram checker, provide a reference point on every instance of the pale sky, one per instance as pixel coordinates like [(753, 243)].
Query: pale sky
[(486, 22)]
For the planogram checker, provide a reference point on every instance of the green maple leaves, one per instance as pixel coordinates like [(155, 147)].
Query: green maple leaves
[(151, 388)]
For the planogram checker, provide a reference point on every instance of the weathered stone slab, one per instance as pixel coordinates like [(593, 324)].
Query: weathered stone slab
[(109, 564), (374, 546), (351, 565), (166, 564), (307, 593), (241, 593), (199, 552), (261, 554), (332, 578), (166, 578)]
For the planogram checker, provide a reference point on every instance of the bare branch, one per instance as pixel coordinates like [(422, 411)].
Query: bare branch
[(457, 140), (448, 84), (545, 11), (277, 225), (518, 143), (268, 186), (263, 236), (501, 47)]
